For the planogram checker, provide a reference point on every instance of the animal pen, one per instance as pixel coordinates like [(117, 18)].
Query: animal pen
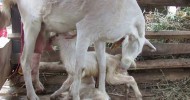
[(166, 70)]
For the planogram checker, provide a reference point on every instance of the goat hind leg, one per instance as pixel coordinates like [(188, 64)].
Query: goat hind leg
[(32, 30), (116, 79), (35, 73), (134, 85), (65, 86)]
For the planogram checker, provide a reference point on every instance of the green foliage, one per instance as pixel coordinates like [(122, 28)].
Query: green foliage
[(186, 9), (156, 21)]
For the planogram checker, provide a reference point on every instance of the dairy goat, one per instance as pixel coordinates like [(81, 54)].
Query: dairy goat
[(96, 21)]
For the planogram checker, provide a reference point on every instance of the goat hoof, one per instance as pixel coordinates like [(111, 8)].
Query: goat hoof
[(40, 88), (107, 96), (61, 97), (54, 97), (76, 98), (33, 97), (139, 97), (41, 91)]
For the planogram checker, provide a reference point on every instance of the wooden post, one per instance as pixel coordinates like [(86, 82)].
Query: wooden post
[(5, 53)]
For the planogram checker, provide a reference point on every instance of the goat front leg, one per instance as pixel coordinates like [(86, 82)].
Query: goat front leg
[(116, 79), (65, 86), (101, 58), (82, 45), (31, 29)]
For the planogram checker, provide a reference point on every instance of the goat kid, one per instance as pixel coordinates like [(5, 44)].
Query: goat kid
[(113, 75)]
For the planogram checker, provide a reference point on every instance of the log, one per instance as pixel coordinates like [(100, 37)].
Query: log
[(14, 36), (149, 35), (141, 65), (161, 49), (168, 35), (5, 52), (167, 49), (52, 67), (164, 2), (155, 75), (162, 64)]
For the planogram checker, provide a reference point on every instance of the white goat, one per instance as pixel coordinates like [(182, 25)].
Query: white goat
[(96, 21)]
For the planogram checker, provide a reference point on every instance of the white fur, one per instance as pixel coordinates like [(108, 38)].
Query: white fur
[(96, 21)]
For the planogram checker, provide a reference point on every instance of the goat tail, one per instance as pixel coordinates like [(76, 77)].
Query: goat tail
[(5, 14)]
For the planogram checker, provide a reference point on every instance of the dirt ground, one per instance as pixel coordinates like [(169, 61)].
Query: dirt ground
[(159, 90)]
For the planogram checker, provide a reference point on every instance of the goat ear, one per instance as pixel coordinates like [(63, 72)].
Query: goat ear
[(147, 42), (118, 56), (117, 44), (70, 35)]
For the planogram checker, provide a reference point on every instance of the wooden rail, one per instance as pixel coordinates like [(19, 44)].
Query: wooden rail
[(168, 34), (149, 35), (164, 2), (141, 65), (14, 36)]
